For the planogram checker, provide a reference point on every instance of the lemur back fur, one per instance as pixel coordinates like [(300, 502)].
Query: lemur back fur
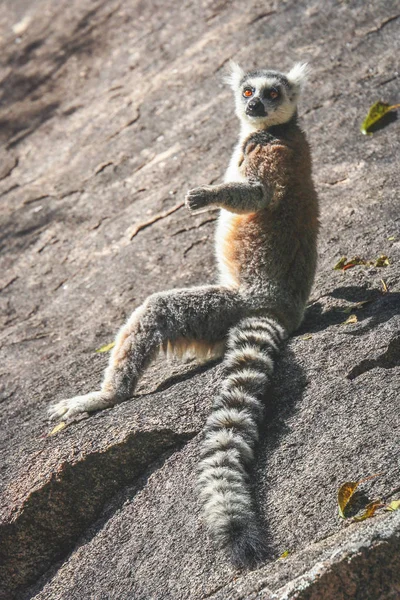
[(266, 253)]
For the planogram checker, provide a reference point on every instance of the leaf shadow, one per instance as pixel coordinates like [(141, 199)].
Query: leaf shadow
[(387, 119)]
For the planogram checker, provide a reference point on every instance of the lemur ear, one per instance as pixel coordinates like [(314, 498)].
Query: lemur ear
[(235, 75), (298, 75)]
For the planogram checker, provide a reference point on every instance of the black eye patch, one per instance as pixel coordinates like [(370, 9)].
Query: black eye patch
[(271, 93)]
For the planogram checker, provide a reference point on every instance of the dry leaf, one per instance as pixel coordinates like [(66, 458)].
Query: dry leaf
[(306, 337), (361, 303), (346, 491), (355, 306), (391, 238), (343, 264), (355, 262), (351, 319), (384, 287), (105, 348), (344, 494), (58, 428), (369, 510), (285, 554), (340, 264), (347, 310), (394, 505), (382, 261), (375, 114)]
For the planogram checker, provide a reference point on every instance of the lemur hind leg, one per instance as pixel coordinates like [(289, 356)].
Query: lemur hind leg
[(200, 316)]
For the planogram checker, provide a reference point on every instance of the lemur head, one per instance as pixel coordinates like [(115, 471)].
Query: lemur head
[(264, 97)]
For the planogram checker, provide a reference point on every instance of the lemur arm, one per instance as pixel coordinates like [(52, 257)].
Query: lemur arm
[(239, 197)]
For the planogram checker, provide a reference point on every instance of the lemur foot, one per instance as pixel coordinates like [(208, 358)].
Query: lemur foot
[(79, 404), (200, 199)]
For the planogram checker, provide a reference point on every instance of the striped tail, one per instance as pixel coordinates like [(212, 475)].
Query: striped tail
[(231, 433)]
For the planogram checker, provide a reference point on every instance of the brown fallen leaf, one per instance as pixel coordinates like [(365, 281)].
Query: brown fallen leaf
[(369, 511), (105, 348), (355, 262), (347, 490)]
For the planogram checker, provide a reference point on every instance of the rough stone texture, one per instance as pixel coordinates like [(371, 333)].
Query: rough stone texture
[(109, 111)]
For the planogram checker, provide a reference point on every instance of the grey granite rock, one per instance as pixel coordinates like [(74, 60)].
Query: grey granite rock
[(109, 112)]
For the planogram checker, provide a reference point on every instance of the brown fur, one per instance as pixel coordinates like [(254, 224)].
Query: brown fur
[(272, 241)]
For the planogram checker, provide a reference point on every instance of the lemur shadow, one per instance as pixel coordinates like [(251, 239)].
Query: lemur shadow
[(191, 371), (379, 307), (282, 400)]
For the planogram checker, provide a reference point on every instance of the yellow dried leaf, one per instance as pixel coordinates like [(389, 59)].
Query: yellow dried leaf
[(105, 348), (344, 494), (384, 287), (346, 491), (285, 554), (58, 428), (391, 238), (306, 337), (351, 319), (369, 510), (394, 505)]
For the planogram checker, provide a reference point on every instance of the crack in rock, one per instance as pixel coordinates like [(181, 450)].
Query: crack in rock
[(45, 528)]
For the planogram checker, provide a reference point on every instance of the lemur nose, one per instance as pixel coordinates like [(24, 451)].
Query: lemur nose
[(255, 107)]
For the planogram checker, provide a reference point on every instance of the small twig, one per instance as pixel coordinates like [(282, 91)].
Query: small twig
[(154, 219)]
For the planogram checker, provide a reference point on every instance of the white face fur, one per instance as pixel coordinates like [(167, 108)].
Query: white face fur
[(264, 97)]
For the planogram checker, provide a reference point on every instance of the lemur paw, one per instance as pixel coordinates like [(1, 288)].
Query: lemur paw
[(78, 404), (200, 199)]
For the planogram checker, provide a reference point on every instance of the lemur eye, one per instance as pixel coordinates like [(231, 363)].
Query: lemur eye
[(247, 92), (273, 94)]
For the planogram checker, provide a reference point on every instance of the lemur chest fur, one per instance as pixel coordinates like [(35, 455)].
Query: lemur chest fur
[(248, 246)]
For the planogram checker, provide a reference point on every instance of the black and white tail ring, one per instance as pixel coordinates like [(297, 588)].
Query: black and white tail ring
[(231, 433)]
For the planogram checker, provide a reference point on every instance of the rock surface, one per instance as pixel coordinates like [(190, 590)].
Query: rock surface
[(109, 111)]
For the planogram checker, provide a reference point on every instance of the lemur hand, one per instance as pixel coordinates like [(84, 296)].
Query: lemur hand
[(200, 199)]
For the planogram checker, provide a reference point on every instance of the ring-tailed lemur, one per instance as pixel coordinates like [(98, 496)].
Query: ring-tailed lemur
[(266, 250)]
